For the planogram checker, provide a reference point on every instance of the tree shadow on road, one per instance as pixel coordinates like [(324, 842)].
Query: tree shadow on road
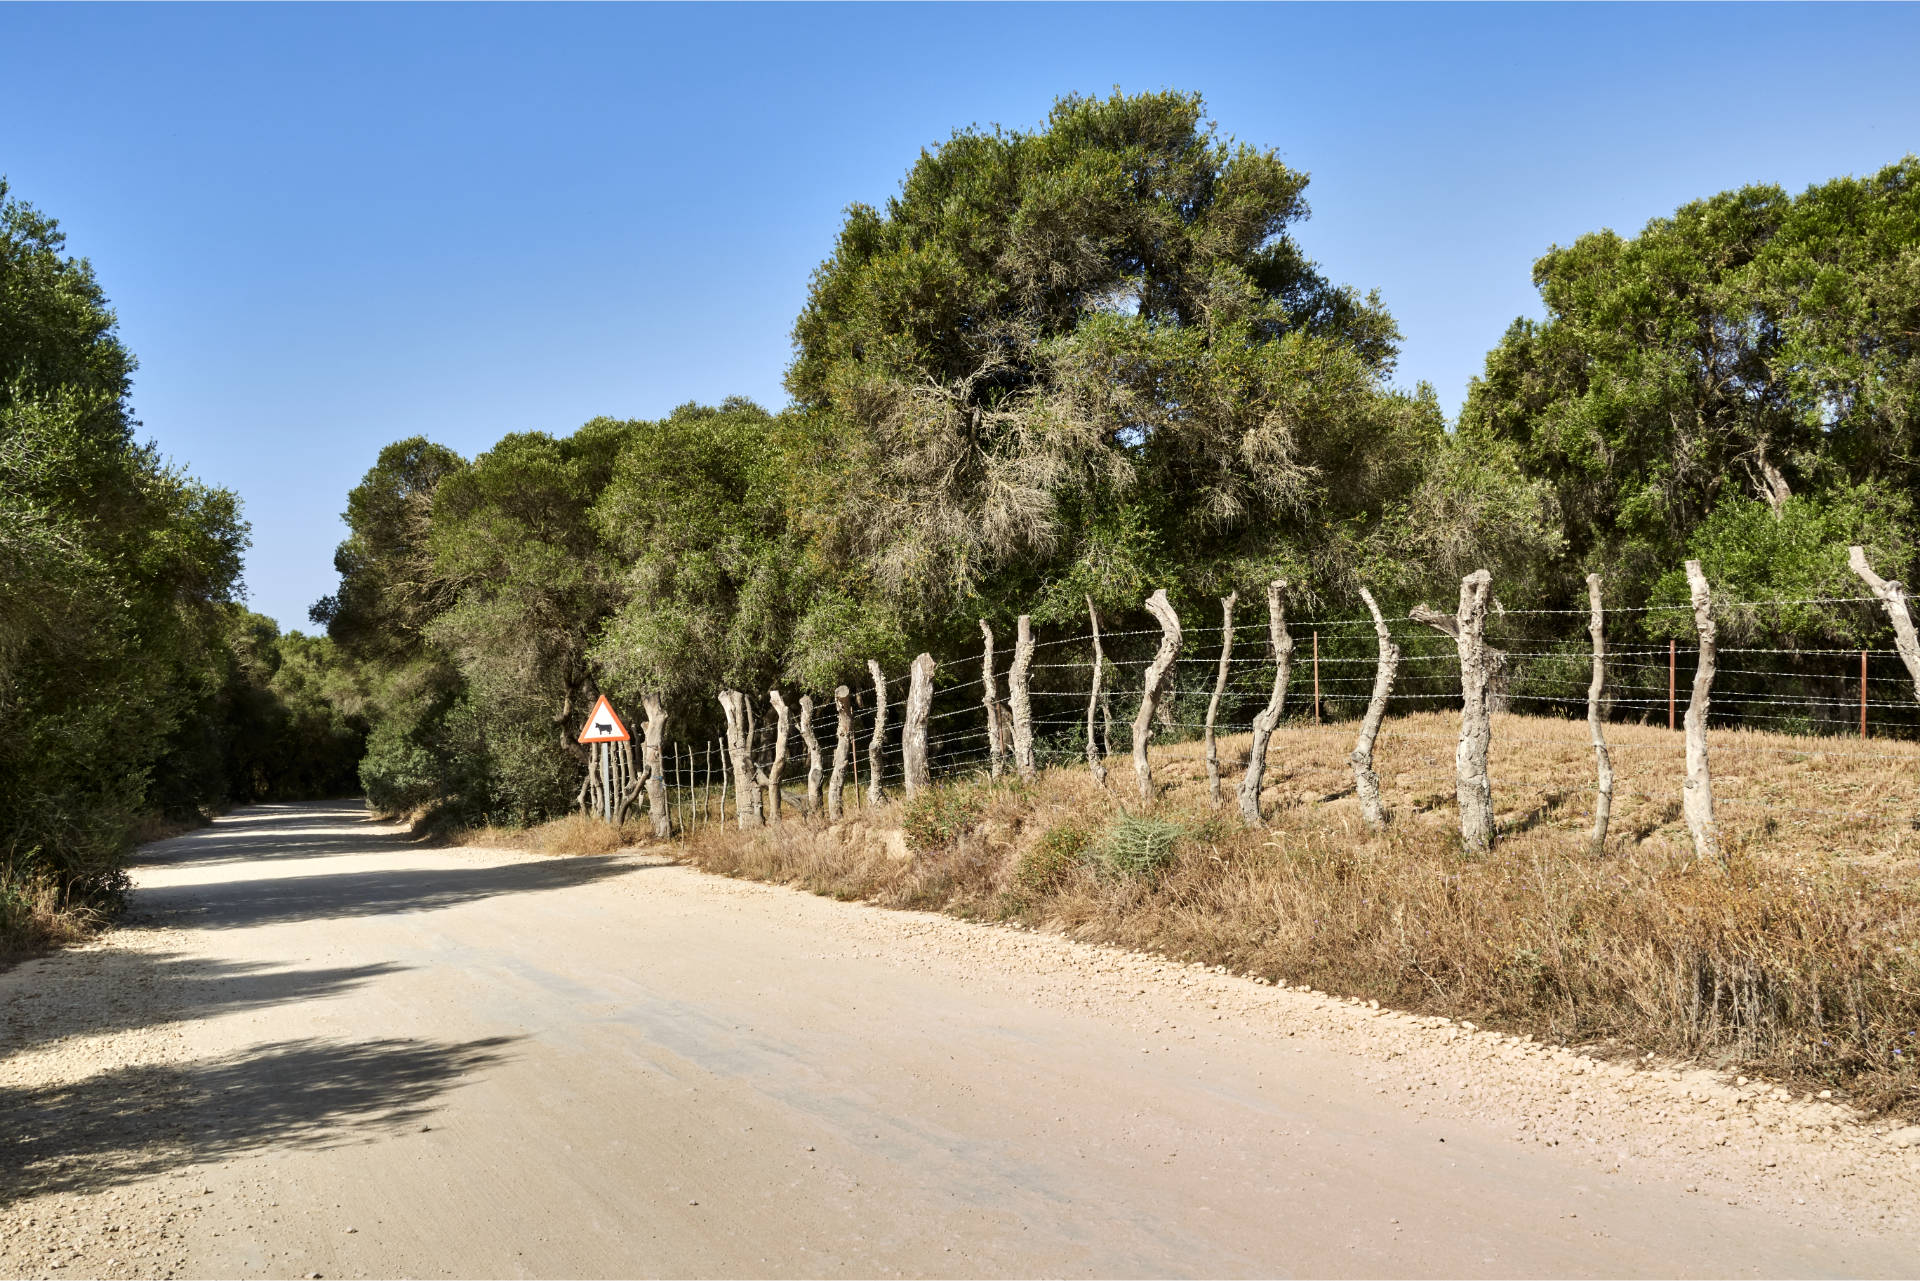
[(239, 904), (129, 1123), (114, 990), (272, 833)]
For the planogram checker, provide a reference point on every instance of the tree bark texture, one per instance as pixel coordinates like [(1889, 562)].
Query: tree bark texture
[(1156, 687), (842, 753), (1602, 761), (779, 766), (877, 741), (812, 741), (1219, 688), (1696, 798), (1269, 718), (1096, 758), (735, 706), (1478, 663), (913, 741), (1366, 783), (990, 698), (1022, 703), (1894, 598), (655, 732)]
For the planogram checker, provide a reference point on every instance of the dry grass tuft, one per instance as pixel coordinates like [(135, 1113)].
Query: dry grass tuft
[(573, 834), (1800, 960)]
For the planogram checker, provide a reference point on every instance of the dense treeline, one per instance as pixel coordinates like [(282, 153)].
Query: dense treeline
[(1091, 360), (132, 685)]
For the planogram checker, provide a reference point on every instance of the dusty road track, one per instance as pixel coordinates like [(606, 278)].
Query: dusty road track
[(318, 1049)]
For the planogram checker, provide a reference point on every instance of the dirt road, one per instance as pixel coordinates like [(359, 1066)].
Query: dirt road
[(317, 1049)]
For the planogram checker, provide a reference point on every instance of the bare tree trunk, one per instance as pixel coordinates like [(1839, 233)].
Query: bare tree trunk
[(1696, 798), (779, 766), (913, 741), (842, 754), (877, 743), (1478, 663), (1269, 718), (1096, 761), (655, 731), (1106, 723), (1602, 762), (726, 781), (746, 795), (1219, 688), (1022, 703), (1366, 783), (1156, 687), (812, 741), (991, 698), (1894, 597)]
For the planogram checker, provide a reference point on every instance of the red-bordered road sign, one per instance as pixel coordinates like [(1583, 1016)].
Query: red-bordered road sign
[(604, 726)]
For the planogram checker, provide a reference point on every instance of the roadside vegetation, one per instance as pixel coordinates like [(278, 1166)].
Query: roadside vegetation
[(1797, 961), (136, 692)]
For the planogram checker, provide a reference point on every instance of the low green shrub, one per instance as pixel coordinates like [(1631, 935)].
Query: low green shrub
[(1139, 847), (939, 816), (1060, 850)]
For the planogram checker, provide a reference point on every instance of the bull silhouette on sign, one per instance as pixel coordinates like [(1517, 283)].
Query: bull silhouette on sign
[(603, 727)]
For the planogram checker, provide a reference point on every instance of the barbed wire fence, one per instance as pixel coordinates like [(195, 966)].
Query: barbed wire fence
[(1828, 694)]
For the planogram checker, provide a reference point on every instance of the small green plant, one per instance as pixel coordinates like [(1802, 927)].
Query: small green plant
[(1139, 847), (939, 816), (1059, 850)]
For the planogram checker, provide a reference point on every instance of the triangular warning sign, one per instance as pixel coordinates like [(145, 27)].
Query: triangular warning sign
[(603, 726)]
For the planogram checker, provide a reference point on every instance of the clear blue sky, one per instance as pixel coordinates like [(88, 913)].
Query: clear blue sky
[(326, 228)]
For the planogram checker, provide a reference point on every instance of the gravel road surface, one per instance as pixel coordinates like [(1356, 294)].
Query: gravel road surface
[(316, 1049)]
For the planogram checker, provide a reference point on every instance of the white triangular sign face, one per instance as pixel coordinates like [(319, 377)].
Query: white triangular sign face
[(603, 726)]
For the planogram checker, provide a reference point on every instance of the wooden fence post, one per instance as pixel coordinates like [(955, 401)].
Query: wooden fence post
[(913, 740), (1893, 597), (779, 766), (1269, 718), (1096, 757), (842, 753), (990, 696), (1478, 662), (877, 741), (812, 741), (655, 732), (1156, 687), (1219, 688), (1602, 760), (1696, 798), (746, 795), (1018, 695), (1366, 783)]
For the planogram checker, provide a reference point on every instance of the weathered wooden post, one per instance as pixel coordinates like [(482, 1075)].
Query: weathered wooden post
[(655, 732), (1096, 757), (1017, 692), (991, 698), (913, 740), (746, 796), (779, 765), (842, 753), (1156, 687), (1269, 718), (1366, 783), (877, 742), (1478, 662), (1219, 688), (1602, 761), (812, 741), (1893, 597), (1696, 798)]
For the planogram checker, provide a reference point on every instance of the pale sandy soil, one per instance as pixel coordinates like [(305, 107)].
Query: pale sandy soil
[(317, 1049)]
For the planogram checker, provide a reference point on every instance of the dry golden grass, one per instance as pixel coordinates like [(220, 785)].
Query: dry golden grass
[(35, 916), (1798, 958), (573, 834)]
